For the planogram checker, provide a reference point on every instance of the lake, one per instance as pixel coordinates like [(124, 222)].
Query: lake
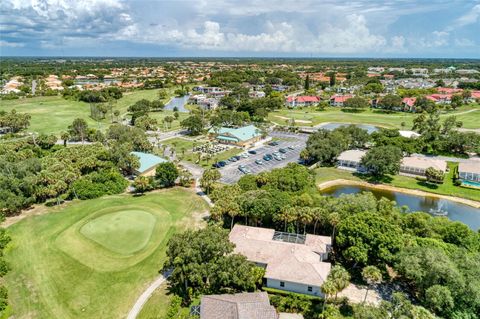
[(331, 126), (456, 211), (178, 102)]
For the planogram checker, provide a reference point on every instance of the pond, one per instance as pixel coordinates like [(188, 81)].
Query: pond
[(178, 102), (331, 126), (456, 211)]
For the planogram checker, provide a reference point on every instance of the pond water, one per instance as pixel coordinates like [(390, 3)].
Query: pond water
[(456, 211), (178, 102), (331, 126)]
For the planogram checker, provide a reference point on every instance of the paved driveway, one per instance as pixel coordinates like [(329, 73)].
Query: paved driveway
[(231, 173)]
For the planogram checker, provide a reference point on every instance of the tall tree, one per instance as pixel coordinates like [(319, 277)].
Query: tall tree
[(166, 174), (372, 276)]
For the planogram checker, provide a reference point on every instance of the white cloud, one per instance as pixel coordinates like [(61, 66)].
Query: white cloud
[(471, 17), (11, 44)]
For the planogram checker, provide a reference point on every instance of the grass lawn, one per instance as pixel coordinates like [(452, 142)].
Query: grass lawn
[(54, 114), (324, 174), (311, 117), (157, 306), (183, 148), (92, 259)]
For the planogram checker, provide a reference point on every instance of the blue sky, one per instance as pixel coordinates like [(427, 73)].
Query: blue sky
[(286, 28)]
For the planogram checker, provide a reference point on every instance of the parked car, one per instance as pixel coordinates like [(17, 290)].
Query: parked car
[(291, 148), (244, 155), (233, 159), (222, 163), (274, 143), (237, 157), (278, 158), (216, 165), (252, 152), (282, 150), (267, 157), (259, 162), (283, 157)]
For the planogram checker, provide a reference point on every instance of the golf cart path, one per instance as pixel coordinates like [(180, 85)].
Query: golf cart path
[(137, 307)]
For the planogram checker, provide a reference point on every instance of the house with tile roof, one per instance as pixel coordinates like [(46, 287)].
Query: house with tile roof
[(302, 100), (292, 262), (339, 100), (244, 136), (255, 305)]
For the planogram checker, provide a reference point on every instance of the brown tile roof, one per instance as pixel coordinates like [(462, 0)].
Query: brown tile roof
[(254, 305), (299, 263)]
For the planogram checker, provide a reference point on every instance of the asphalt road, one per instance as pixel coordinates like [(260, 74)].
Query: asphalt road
[(231, 173)]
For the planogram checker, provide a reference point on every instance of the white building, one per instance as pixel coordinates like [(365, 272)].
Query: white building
[(419, 71), (417, 166), (350, 160), (292, 262), (469, 172)]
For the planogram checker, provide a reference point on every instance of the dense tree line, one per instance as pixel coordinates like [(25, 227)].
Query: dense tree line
[(14, 122), (35, 170), (89, 96)]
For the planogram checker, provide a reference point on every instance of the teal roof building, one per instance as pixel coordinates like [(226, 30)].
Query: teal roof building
[(147, 161), (240, 135)]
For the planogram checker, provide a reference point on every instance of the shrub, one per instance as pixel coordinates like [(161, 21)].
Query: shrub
[(97, 184)]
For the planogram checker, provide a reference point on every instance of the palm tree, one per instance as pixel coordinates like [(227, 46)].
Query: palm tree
[(328, 289), (305, 217), (340, 278), (318, 217), (287, 215), (334, 219), (372, 276), (65, 136)]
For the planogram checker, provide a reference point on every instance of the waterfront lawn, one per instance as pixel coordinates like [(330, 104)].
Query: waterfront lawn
[(65, 265), (324, 174), (310, 116)]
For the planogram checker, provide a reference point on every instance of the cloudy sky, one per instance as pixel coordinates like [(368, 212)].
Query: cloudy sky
[(307, 28)]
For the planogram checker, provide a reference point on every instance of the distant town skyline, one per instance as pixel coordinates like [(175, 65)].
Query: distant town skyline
[(250, 28)]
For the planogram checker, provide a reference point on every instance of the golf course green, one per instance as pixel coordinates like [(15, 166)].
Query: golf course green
[(92, 259)]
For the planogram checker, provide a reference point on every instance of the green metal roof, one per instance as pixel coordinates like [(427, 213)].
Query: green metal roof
[(148, 160), (244, 133)]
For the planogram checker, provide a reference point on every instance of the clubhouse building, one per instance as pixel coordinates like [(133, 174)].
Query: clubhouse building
[(292, 262), (244, 136)]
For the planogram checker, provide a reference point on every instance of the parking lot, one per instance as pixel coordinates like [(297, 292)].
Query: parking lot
[(231, 173)]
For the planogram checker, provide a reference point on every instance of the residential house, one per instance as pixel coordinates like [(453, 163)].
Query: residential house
[(440, 98), (148, 163), (419, 71), (292, 262), (468, 72), (417, 166), (409, 104), (469, 173), (254, 305), (256, 94), (350, 160), (399, 70), (302, 100), (244, 136), (339, 100)]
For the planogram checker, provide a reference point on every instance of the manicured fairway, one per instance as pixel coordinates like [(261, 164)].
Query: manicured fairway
[(92, 259), (469, 115), (54, 114)]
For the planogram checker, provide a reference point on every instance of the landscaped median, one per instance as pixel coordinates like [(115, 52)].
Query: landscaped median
[(330, 176), (92, 259)]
